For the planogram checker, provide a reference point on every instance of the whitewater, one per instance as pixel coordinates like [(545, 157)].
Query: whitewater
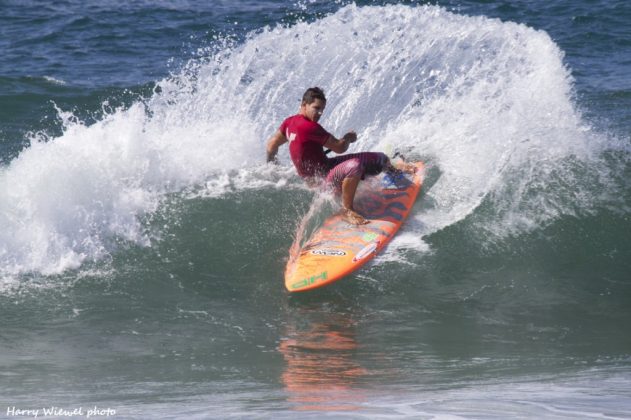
[(489, 105)]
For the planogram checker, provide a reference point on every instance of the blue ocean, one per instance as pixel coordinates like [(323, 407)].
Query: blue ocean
[(143, 238)]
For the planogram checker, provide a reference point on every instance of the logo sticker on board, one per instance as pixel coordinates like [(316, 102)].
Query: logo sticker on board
[(329, 252), (310, 280), (366, 251)]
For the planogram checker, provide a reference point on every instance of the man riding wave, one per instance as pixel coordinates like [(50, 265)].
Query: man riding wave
[(307, 142)]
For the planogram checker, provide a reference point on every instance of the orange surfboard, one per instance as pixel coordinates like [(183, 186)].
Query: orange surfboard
[(338, 248)]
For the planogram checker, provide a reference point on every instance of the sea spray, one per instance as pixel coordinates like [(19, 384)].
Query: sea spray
[(308, 222), (487, 103)]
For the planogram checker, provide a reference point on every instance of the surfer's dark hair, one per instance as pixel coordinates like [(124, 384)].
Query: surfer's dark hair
[(312, 94)]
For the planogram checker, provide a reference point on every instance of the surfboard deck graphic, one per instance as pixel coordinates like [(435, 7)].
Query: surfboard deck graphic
[(338, 248)]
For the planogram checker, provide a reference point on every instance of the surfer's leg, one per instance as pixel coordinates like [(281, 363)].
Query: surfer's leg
[(374, 162), (349, 187), (365, 163), (344, 179), (344, 168)]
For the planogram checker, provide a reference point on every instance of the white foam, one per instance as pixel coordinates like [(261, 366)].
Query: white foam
[(488, 103), (55, 81)]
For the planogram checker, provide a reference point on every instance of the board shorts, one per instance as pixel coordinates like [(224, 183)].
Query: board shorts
[(352, 165)]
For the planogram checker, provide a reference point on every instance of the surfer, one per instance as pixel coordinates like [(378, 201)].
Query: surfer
[(307, 141)]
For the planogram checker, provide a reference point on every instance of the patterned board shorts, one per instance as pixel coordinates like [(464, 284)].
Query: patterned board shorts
[(355, 164)]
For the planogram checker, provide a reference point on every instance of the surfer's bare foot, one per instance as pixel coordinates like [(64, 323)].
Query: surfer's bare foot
[(408, 168), (353, 217)]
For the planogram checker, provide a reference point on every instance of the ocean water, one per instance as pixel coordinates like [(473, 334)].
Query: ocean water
[(143, 239)]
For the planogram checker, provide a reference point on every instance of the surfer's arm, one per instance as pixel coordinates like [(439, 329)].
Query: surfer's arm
[(274, 142), (341, 145)]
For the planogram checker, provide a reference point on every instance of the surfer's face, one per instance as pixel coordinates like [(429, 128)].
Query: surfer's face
[(314, 110)]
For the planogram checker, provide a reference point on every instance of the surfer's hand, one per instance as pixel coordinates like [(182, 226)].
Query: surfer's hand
[(350, 137), (272, 158)]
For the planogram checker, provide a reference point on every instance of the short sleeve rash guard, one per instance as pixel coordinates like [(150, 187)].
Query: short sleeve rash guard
[(306, 145)]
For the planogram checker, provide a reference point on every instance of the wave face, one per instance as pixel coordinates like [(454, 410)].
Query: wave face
[(488, 104)]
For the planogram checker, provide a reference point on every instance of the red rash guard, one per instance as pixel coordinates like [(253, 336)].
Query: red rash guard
[(306, 145)]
